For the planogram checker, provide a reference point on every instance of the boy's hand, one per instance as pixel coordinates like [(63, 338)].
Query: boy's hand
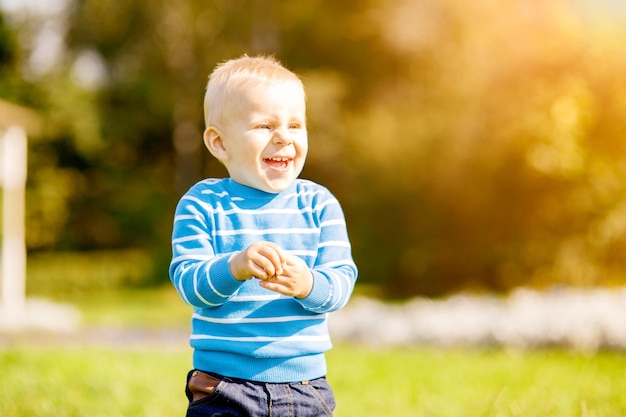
[(260, 260), (296, 279)]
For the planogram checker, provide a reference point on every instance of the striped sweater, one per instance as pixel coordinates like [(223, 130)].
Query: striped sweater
[(240, 329)]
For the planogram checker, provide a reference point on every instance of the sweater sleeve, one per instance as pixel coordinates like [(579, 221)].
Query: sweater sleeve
[(334, 272), (201, 277)]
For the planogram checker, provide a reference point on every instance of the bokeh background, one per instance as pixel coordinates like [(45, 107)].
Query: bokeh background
[(475, 145)]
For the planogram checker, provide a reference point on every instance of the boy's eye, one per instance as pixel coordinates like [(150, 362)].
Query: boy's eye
[(268, 127)]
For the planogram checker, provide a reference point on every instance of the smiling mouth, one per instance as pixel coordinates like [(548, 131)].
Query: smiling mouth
[(278, 163)]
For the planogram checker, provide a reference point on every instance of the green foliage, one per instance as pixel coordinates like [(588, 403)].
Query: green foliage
[(473, 144), (61, 274), (8, 45), (105, 382), (483, 164), (12, 85)]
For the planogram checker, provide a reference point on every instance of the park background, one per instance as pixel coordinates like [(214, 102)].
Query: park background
[(476, 147)]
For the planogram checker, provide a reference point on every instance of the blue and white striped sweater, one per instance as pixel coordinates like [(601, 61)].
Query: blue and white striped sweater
[(238, 328)]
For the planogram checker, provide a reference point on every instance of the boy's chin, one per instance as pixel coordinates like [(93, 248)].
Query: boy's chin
[(276, 186), (273, 186)]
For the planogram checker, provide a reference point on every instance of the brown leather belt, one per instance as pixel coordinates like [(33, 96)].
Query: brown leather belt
[(202, 384)]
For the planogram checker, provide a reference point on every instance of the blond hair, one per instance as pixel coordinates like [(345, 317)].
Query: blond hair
[(235, 74)]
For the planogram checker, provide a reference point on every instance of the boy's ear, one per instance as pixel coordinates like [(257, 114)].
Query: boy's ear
[(214, 143)]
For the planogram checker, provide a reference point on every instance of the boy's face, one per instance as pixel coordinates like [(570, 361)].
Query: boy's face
[(263, 140)]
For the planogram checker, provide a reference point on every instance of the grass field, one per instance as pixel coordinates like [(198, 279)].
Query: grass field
[(95, 382)]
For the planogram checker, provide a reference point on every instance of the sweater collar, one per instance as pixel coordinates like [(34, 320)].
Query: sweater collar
[(236, 189)]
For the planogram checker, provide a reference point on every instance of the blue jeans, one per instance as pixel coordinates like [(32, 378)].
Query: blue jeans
[(217, 396)]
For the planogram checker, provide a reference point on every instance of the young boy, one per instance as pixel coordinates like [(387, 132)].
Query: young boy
[(262, 256)]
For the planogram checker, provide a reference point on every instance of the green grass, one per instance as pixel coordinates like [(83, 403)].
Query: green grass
[(90, 383), (95, 382), (473, 383), (130, 308), (40, 381)]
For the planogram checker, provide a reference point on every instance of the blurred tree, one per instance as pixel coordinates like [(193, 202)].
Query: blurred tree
[(483, 163), (156, 59), (12, 86), (473, 144), (8, 50)]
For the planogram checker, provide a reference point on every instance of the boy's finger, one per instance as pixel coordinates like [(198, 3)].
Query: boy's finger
[(277, 258), (268, 273)]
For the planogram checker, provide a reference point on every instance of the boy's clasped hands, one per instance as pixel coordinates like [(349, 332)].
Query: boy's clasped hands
[(276, 271)]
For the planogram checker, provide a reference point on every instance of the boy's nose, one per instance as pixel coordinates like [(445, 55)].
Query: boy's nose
[(282, 137)]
